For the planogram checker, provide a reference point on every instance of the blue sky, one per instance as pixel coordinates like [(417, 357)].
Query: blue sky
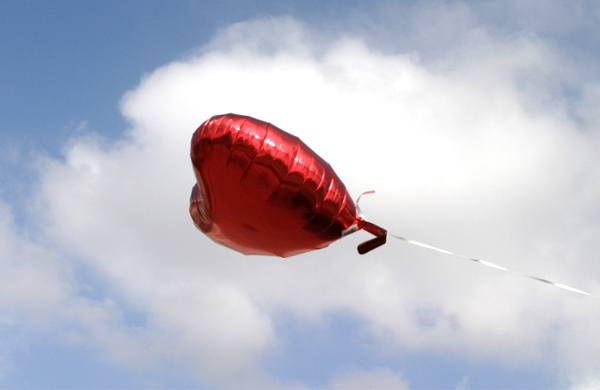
[(475, 122)]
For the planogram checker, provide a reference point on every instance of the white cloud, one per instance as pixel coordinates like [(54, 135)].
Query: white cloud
[(465, 153), (586, 384), (379, 378), (24, 266), (464, 384), (39, 293)]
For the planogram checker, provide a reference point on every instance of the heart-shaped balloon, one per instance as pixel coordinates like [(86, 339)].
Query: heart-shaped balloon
[(262, 191)]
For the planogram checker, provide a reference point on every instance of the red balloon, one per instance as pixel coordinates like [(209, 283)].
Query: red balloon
[(262, 191)]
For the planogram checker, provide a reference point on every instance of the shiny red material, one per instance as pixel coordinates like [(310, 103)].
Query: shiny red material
[(261, 190)]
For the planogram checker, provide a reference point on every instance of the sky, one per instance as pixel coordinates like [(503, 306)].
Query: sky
[(476, 123)]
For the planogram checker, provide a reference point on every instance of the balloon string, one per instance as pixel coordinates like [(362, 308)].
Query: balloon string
[(360, 214), (483, 262), (492, 265)]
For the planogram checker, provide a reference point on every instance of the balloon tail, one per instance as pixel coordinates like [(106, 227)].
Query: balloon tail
[(379, 233), (379, 240)]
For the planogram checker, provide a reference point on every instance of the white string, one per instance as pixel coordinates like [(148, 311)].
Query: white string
[(487, 263), (360, 214)]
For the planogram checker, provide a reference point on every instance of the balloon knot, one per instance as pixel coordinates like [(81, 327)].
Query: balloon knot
[(379, 240)]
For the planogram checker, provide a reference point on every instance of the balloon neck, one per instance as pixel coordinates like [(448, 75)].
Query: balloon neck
[(379, 233)]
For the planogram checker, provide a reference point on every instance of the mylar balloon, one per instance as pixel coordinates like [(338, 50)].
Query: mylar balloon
[(261, 190)]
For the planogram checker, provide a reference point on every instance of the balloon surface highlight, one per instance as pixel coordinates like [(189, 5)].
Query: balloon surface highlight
[(262, 191)]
